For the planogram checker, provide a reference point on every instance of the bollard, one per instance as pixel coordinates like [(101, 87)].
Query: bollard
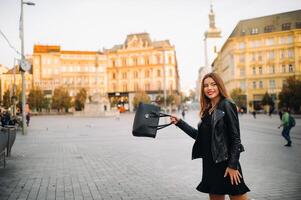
[(3, 145), (11, 132)]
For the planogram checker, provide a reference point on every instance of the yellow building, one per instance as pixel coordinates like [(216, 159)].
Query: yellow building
[(13, 77), (260, 54), (140, 64), (53, 67)]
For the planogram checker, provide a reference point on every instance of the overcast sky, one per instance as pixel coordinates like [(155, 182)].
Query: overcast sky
[(96, 24)]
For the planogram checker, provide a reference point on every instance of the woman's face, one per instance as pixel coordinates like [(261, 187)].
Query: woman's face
[(210, 88)]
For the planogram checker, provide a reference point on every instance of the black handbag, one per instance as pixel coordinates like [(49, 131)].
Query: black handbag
[(146, 122)]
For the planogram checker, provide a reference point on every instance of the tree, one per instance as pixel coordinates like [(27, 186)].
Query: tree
[(61, 99), (267, 100), (159, 99), (7, 98), (192, 95), (290, 96), (36, 99), (80, 99), (238, 97), (140, 97)]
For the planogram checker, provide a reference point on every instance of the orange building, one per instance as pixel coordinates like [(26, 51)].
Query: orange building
[(140, 64), (53, 67)]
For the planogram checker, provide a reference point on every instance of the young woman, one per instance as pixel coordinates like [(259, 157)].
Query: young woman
[(217, 142)]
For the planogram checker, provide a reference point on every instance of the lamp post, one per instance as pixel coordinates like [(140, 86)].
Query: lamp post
[(164, 81), (205, 50), (24, 131)]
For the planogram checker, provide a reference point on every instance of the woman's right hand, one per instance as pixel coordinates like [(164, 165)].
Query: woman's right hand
[(174, 119)]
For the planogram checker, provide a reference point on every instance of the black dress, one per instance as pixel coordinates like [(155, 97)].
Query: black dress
[(213, 180)]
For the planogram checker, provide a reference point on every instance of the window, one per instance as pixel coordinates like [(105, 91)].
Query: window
[(241, 58), (159, 73), (254, 31), (254, 84), (243, 85), (259, 56), (289, 39), (282, 54), (260, 70), (283, 68), (272, 84), (242, 72), (124, 75), (113, 62), (147, 86), (124, 87), (290, 53), (159, 85), (158, 58), (286, 26), (123, 62), (135, 62), (271, 55), (272, 69), (136, 87), (298, 24), (146, 73), (290, 68), (113, 76), (169, 59), (135, 74), (269, 41), (170, 72), (254, 70), (253, 57), (242, 45), (282, 40), (268, 29), (146, 60), (260, 84)]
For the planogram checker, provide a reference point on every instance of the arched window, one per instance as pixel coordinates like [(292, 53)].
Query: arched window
[(146, 73), (158, 73)]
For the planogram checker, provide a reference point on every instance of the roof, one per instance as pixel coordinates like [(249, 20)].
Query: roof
[(139, 40), (271, 23), (57, 49)]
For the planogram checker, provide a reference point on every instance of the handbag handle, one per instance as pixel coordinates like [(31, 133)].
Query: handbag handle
[(158, 115)]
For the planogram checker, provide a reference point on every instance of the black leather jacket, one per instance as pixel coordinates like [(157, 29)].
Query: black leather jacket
[(225, 142)]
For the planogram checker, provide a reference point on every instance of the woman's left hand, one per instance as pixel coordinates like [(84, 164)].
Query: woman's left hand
[(234, 175)]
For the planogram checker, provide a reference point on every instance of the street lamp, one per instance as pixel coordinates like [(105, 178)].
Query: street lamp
[(205, 50), (164, 80), (22, 69)]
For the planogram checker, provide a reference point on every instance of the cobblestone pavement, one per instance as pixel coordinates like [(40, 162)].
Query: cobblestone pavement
[(65, 157)]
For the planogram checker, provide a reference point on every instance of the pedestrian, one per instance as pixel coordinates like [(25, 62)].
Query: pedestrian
[(217, 142), (254, 114), (286, 127), (183, 114), (280, 115), (27, 118)]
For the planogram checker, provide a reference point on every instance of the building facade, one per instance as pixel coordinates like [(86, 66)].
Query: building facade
[(140, 64), (11, 81), (260, 54), (53, 67)]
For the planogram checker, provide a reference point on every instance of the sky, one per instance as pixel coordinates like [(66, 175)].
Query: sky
[(91, 25)]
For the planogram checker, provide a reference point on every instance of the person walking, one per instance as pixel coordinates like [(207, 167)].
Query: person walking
[(254, 114), (217, 142), (183, 113), (286, 127)]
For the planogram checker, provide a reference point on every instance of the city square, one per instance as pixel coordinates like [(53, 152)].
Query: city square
[(77, 77), (66, 157)]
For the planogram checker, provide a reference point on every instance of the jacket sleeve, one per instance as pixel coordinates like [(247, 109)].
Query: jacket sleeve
[(233, 132), (189, 130)]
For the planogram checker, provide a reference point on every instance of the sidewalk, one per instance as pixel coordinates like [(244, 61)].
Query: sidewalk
[(65, 157)]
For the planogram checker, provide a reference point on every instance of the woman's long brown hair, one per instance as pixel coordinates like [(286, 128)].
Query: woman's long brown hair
[(204, 100)]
